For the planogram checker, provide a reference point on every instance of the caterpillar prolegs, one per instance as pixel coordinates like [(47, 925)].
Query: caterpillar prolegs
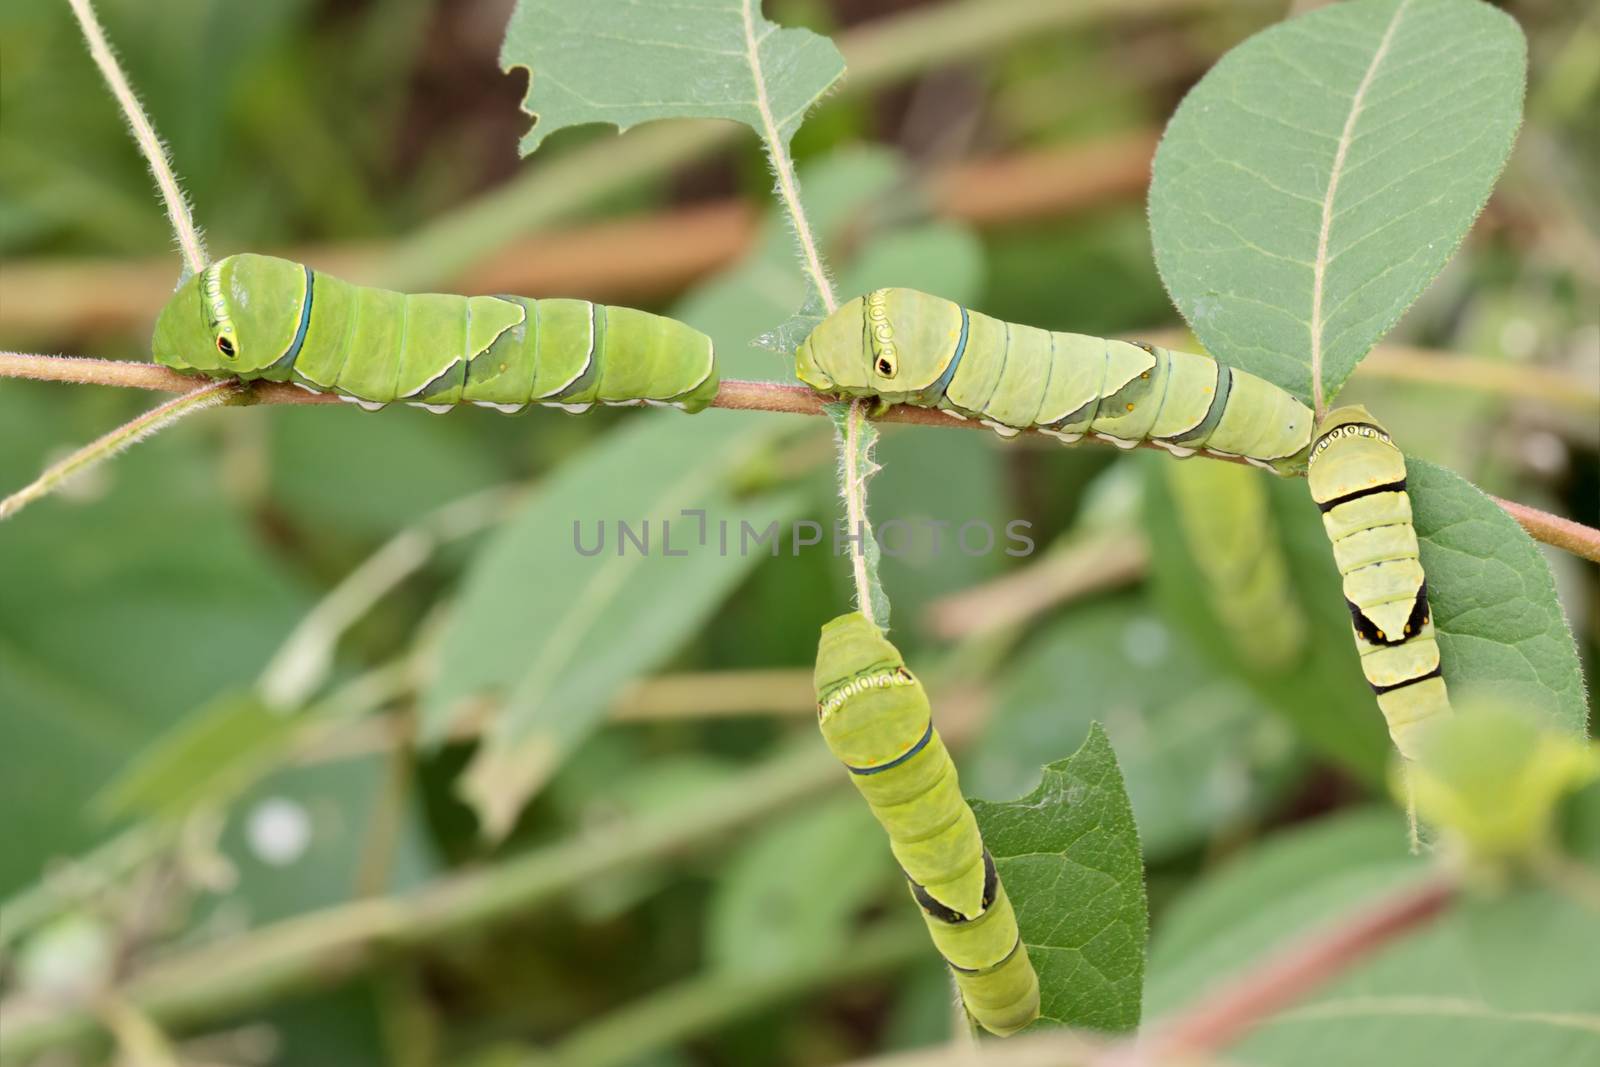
[(906, 347), (876, 719), (1358, 478), (251, 316)]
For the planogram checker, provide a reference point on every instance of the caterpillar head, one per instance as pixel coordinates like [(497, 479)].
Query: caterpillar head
[(242, 315), (872, 709), (891, 343), (1351, 453)]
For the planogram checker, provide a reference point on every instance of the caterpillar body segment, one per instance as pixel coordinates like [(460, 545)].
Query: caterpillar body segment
[(902, 346), (1225, 516), (876, 719), (251, 316), (1358, 478)]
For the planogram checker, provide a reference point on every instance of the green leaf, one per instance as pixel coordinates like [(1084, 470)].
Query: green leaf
[(1069, 856), (203, 759), (791, 896), (1501, 630), (556, 634), (125, 602), (1497, 979), (1317, 179), (1199, 754), (623, 62)]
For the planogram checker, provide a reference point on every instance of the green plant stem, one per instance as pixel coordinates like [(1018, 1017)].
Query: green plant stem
[(706, 1001), (144, 135), (878, 54), (204, 984), (98, 451), (855, 469)]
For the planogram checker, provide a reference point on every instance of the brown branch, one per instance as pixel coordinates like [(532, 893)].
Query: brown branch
[(632, 258), (1564, 534), (735, 394), (1218, 1019)]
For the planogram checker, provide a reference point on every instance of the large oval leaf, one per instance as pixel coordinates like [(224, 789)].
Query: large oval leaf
[(1315, 181)]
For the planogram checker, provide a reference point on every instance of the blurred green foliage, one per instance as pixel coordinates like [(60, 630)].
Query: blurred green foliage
[(165, 581)]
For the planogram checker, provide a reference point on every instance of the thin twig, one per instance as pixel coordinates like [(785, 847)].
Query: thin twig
[(854, 489), (854, 461), (1564, 534), (1216, 1020), (207, 396), (734, 394), (144, 134)]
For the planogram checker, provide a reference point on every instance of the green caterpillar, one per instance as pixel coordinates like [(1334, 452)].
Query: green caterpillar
[(875, 718), (906, 347), (1224, 515), (250, 316), (1358, 479)]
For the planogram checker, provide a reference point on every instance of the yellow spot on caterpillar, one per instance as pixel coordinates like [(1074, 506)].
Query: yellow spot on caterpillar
[(1381, 637), (1145, 377), (1130, 407), (502, 368)]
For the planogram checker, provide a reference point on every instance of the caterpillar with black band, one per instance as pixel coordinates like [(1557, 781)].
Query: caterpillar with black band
[(250, 317), (1358, 479), (902, 346), (876, 719)]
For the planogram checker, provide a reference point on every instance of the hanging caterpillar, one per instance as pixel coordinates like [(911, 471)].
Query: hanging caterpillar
[(251, 316), (906, 347), (1225, 517), (1358, 478), (876, 719)]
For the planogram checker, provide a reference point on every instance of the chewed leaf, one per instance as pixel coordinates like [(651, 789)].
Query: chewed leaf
[(1069, 856), (623, 62), (1317, 179)]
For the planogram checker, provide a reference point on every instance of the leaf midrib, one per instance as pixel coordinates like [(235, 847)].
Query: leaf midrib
[(1319, 269)]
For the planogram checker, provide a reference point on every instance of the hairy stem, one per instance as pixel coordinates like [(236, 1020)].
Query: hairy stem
[(853, 486), (144, 134), (854, 458), (1564, 534), (209, 395)]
